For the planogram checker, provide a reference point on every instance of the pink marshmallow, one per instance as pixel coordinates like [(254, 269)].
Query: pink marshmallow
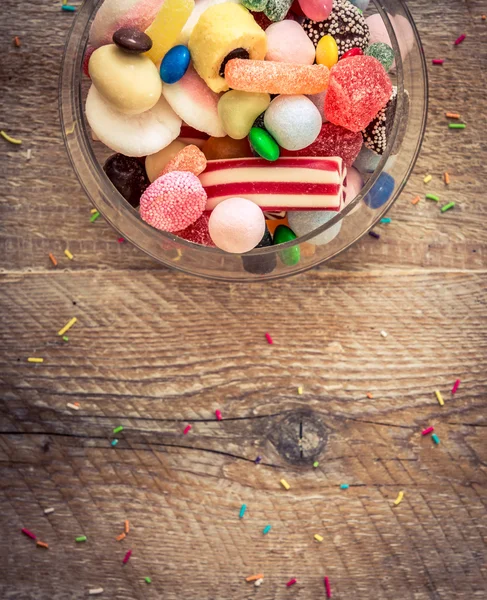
[(287, 42)]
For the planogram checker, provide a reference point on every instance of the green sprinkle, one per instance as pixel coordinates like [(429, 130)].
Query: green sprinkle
[(266, 529), (68, 8), (385, 220), (65, 338), (148, 580), (447, 206), (81, 538), (94, 216), (243, 508), (435, 438), (432, 197), (344, 486), (114, 442), (316, 464), (456, 125), (118, 429)]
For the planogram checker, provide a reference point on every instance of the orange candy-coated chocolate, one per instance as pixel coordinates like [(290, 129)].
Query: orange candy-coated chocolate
[(271, 77), (226, 147), (189, 159)]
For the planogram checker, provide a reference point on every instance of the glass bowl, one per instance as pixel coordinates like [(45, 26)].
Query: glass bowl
[(384, 181)]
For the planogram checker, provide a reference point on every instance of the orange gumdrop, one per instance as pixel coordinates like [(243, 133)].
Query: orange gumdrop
[(189, 159), (216, 148)]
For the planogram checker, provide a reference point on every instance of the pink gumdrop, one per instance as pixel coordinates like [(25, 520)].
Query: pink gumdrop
[(287, 42), (173, 202), (86, 60), (316, 10), (354, 183), (358, 88), (237, 225), (197, 232), (332, 140)]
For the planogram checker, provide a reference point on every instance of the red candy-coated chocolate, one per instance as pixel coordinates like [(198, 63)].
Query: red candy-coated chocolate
[(358, 88), (173, 202), (332, 140), (198, 232), (352, 52)]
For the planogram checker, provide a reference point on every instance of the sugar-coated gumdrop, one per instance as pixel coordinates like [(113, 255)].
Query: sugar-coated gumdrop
[(261, 265), (221, 29), (86, 60), (346, 24), (359, 87), (380, 192), (402, 27), (376, 134), (173, 202), (316, 10), (303, 222), (327, 51), (276, 77), (226, 147), (174, 64), (293, 121), (236, 225), (263, 143), (199, 9), (128, 175), (287, 42), (360, 4), (195, 103), (155, 163), (289, 256), (319, 101), (129, 82), (197, 232), (352, 52), (115, 14), (353, 185), (166, 27), (132, 39), (383, 53), (255, 5), (132, 135), (276, 10), (190, 158), (238, 111), (333, 140)]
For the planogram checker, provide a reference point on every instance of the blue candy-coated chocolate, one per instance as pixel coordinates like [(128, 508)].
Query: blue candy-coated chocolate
[(380, 192), (175, 64)]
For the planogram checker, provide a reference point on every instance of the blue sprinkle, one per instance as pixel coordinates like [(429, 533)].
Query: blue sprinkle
[(344, 486), (114, 442), (258, 459), (435, 438), (385, 220), (242, 510), (68, 8), (266, 529)]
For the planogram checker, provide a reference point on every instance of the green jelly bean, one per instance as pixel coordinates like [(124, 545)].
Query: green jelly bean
[(290, 256), (264, 144)]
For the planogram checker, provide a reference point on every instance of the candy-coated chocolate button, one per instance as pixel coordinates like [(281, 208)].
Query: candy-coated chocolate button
[(175, 64), (132, 40), (327, 51), (264, 144), (290, 256)]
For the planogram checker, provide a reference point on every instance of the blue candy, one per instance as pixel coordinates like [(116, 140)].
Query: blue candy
[(175, 64), (380, 192)]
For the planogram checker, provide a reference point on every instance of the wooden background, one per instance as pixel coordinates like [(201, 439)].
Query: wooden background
[(154, 350)]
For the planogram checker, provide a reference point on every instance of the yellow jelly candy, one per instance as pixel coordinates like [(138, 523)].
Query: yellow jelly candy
[(327, 51), (167, 26), (238, 111)]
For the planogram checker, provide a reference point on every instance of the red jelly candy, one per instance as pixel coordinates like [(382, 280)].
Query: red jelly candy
[(358, 88), (332, 140), (352, 52), (198, 232)]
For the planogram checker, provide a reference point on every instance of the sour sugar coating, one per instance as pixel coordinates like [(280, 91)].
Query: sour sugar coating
[(173, 202), (276, 10), (155, 163), (189, 159), (167, 26), (333, 140), (128, 175), (377, 132), (237, 225), (345, 24), (197, 232), (316, 10), (287, 42), (383, 53), (275, 77), (255, 5), (359, 87), (293, 121)]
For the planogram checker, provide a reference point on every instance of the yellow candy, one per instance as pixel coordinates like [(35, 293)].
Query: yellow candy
[(167, 26), (327, 51)]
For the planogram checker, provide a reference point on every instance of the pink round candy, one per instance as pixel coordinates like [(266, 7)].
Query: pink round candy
[(353, 185), (287, 42), (236, 225), (173, 202), (316, 10)]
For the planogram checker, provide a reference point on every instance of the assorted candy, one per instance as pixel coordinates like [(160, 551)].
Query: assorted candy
[(249, 115)]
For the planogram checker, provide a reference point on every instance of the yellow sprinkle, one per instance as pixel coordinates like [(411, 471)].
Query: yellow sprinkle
[(68, 325), (399, 498), (93, 211), (68, 254), (35, 360), (285, 484), (178, 257), (10, 139), (427, 179), (318, 537), (71, 129), (439, 397), (300, 390)]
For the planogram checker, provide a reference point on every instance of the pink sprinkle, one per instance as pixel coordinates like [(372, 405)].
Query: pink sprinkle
[(29, 534), (327, 587), (459, 40), (291, 582), (218, 415), (187, 429), (438, 61), (427, 430), (127, 557), (455, 386), (121, 240), (269, 338)]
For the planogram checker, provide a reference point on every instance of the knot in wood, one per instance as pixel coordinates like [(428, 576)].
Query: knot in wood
[(300, 437)]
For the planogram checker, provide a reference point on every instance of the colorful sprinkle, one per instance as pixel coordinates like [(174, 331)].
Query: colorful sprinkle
[(114, 442), (438, 61), (42, 544), (435, 438), (427, 179), (118, 429), (255, 577), (427, 430), (126, 558), (187, 429), (53, 259), (258, 460), (374, 235), (447, 206), (344, 486), (126, 525), (148, 580), (327, 587), (300, 390), (369, 396), (432, 197), (120, 240), (385, 220), (80, 538), (415, 200), (399, 498), (259, 582), (243, 508), (446, 177), (68, 254), (28, 154), (318, 537), (266, 529), (459, 40), (94, 217), (120, 537), (269, 338), (65, 338), (439, 397), (452, 115), (316, 464), (29, 534), (68, 326), (10, 139), (285, 484), (95, 591), (33, 359), (218, 415), (291, 582), (17, 42), (456, 125), (455, 386), (383, 333), (72, 406), (68, 8), (48, 511)]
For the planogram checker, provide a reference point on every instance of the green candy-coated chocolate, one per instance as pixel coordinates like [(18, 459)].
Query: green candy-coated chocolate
[(264, 144), (290, 256), (383, 53)]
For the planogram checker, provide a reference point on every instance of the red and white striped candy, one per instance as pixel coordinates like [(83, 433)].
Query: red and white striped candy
[(289, 183)]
